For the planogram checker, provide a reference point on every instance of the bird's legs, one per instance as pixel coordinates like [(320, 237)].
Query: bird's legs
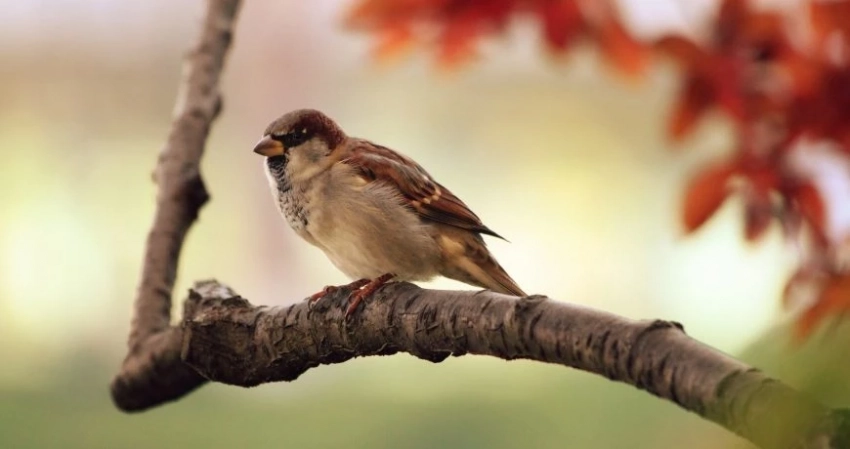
[(331, 289), (360, 289), (366, 289)]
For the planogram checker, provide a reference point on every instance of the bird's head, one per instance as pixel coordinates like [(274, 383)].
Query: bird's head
[(302, 140)]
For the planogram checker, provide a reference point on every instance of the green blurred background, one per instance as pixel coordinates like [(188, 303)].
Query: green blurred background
[(566, 160)]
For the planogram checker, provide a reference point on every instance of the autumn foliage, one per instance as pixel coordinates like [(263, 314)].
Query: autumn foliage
[(782, 78)]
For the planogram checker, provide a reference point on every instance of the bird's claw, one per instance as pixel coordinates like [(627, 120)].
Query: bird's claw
[(366, 290), (330, 290), (358, 291)]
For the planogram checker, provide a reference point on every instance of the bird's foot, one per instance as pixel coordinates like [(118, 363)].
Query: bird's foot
[(364, 291), (331, 289)]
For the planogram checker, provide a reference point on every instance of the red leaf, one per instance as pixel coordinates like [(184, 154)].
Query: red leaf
[(833, 299), (458, 41), (758, 207), (757, 215), (562, 22), (829, 16), (393, 42), (763, 177), (806, 276), (683, 51), (704, 195), (730, 18), (621, 49), (696, 97), (727, 81), (378, 13), (809, 202)]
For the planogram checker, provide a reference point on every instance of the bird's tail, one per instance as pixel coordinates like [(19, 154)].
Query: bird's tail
[(472, 262), (499, 280)]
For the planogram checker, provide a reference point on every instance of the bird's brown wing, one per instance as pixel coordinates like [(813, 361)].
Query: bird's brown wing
[(427, 197)]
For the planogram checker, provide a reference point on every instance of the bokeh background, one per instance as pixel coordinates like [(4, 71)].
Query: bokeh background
[(565, 159)]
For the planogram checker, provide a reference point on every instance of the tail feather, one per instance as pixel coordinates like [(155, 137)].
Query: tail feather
[(501, 280), (468, 260)]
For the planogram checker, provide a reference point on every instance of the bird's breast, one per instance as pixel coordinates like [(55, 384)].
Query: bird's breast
[(293, 205), (366, 231), (363, 228), (291, 199)]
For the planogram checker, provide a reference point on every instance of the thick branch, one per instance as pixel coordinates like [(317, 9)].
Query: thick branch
[(228, 340), (180, 196)]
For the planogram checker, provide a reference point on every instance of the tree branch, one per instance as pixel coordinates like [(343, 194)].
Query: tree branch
[(228, 340), (181, 193)]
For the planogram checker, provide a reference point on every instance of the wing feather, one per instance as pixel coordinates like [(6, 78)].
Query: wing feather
[(425, 196)]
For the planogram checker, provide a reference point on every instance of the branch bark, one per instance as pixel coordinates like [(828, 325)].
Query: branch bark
[(228, 340), (181, 194), (223, 338)]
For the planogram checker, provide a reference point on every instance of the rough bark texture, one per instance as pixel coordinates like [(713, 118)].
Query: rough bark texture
[(181, 193), (223, 338), (228, 340)]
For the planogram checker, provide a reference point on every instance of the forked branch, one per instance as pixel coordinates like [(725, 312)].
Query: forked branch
[(181, 193)]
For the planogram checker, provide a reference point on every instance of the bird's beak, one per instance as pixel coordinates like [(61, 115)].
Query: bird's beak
[(269, 147)]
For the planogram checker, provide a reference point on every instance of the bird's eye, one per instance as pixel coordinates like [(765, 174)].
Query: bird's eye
[(293, 138)]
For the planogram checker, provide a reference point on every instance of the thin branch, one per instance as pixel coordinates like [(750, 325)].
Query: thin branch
[(228, 340), (181, 195)]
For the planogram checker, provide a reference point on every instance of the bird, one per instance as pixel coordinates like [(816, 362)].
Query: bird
[(375, 213)]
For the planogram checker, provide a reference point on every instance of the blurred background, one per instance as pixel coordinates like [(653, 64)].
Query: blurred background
[(562, 157)]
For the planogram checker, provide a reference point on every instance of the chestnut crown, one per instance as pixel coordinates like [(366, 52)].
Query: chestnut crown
[(294, 128)]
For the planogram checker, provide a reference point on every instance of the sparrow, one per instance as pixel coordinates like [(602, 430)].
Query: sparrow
[(375, 213)]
